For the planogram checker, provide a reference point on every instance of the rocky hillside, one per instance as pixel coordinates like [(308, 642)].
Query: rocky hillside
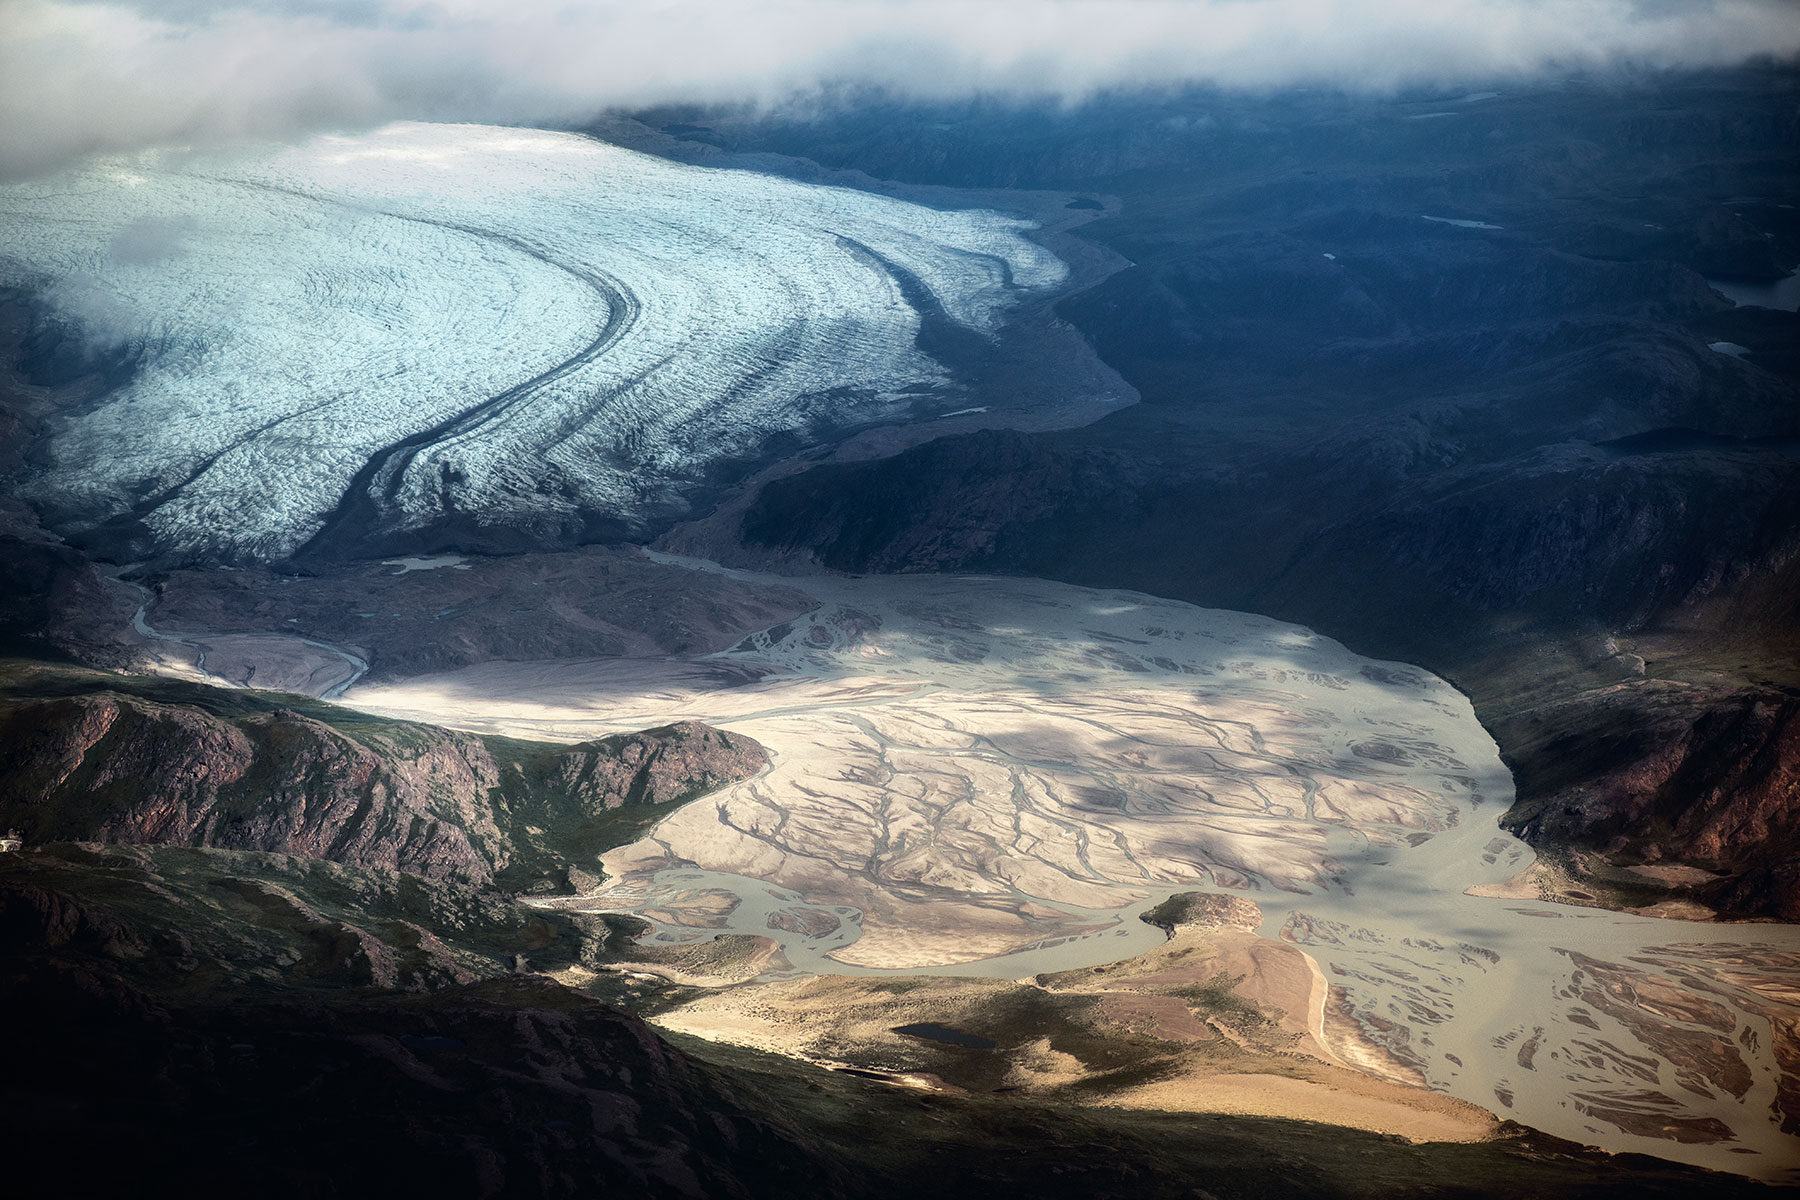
[(1670, 772), (510, 1086), (54, 603), (108, 765)]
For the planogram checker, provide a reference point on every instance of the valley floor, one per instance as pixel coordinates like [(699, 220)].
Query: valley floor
[(991, 779)]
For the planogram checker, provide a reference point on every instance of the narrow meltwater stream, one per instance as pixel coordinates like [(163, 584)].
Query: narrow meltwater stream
[(355, 664)]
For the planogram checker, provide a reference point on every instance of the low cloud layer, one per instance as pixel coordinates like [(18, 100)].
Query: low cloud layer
[(82, 77)]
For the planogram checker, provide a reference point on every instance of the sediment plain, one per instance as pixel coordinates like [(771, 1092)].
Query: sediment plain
[(995, 778)]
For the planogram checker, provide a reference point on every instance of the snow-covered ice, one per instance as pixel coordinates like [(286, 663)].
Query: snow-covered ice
[(523, 328)]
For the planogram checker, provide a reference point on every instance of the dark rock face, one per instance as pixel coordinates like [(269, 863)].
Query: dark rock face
[(1576, 533), (53, 603), (588, 603), (1413, 313), (1609, 536), (39, 918), (955, 503), (155, 1051), (1673, 773), (436, 803)]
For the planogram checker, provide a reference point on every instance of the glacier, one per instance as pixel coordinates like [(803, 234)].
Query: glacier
[(474, 328)]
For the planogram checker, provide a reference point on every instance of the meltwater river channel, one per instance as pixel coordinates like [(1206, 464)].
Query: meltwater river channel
[(996, 776)]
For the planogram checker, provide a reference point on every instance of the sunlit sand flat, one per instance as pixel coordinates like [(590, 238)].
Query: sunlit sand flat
[(989, 777)]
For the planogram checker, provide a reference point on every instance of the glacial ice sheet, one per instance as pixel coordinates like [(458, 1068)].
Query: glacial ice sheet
[(514, 327)]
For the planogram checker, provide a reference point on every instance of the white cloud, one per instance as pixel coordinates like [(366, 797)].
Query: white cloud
[(76, 77)]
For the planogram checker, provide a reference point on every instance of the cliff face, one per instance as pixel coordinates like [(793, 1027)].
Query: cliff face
[(432, 802), (1673, 772), (53, 601), (1620, 534)]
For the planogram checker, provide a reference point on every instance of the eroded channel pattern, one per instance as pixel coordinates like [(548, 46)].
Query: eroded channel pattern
[(993, 777), (480, 326)]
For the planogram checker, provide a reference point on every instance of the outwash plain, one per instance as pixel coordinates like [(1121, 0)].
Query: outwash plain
[(872, 814), (999, 778)]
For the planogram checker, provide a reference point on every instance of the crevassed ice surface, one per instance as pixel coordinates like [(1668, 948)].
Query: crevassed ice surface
[(519, 326)]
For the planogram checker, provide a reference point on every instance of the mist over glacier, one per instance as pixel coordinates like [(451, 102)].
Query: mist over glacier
[(489, 326), (78, 76)]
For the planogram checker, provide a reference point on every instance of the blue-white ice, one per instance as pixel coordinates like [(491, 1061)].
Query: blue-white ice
[(1459, 222), (560, 325)]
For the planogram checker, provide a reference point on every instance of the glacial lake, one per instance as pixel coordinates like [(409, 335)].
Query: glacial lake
[(1783, 294)]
